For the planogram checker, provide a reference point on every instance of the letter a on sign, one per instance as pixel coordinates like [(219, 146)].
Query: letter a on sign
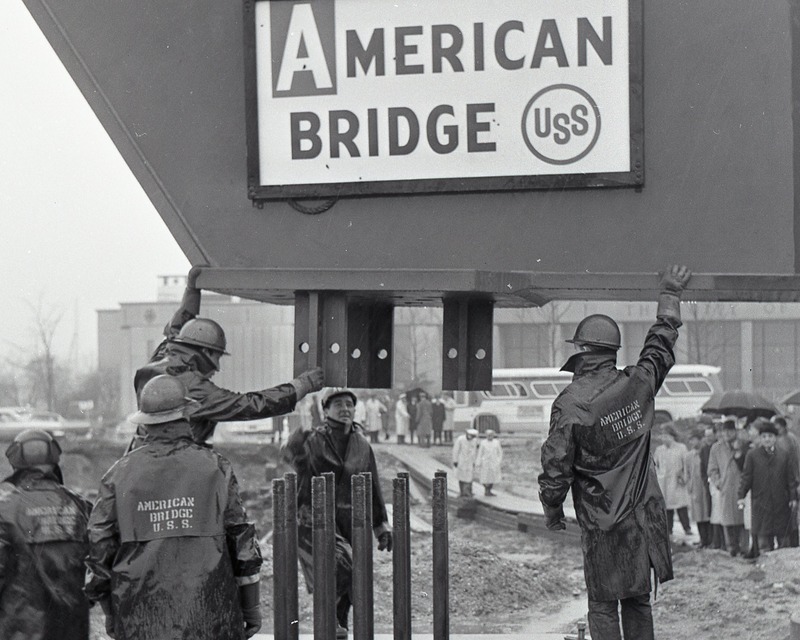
[(303, 46)]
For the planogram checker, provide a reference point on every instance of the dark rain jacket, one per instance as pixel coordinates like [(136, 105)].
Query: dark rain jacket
[(772, 480), (314, 452), (599, 446), (213, 404), (43, 544), (170, 541)]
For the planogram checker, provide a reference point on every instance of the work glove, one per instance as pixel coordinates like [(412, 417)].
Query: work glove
[(554, 518), (674, 279), (308, 381), (673, 282), (385, 541), (191, 279), (105, 605), (251, 611)]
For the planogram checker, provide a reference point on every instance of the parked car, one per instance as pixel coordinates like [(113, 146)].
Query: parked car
[(14, 420)]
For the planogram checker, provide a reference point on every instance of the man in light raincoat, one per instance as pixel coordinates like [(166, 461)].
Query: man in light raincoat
[(172, 551), (599, 447), (489, 462), (465, 450)]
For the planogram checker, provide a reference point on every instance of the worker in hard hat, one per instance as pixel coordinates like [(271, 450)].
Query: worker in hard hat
[(43, 543), (339, 446), (192, 350), (173, 554), (599, 446)]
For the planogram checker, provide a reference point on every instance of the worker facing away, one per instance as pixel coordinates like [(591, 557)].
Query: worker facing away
[(172, 552), (599, 447)]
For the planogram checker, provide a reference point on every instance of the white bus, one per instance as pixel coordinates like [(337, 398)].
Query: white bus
[(520, 399)]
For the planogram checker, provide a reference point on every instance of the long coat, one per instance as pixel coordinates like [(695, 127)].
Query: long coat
[(771, 477), (489, 462), (599, 447), (43, 543), (312, 453), (170, 541), (401, 418), (464, 453), (697, 484), (670, 464), (724, 474), (213, 404)]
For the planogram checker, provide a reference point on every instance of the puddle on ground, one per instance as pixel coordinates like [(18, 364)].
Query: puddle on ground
[(561, 621)]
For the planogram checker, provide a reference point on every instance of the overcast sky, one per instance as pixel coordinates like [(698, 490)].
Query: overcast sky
[(78, 232)]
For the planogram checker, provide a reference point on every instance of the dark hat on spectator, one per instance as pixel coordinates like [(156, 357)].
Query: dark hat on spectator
[(729, 424), (767, 427)]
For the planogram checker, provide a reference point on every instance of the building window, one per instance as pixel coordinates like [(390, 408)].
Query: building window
[(776, 346)]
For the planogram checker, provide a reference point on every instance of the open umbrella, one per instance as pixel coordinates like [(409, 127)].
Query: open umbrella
[(791, 398), (739, 403)]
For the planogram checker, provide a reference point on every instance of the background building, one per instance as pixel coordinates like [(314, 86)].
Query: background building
[(757, 345)]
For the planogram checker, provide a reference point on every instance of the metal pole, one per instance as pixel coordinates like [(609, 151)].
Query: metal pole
[(401, 557), (292, 608), (330, 551), (441, 578), (368, 537), (319, 545), (360, 559), (279, 558)]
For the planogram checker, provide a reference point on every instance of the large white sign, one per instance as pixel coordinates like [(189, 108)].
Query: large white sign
[(375, 91)]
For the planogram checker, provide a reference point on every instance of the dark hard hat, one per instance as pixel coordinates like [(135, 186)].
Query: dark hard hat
[(202, 332), (598, 330), (331, 393), (33, 447), (162, 399)]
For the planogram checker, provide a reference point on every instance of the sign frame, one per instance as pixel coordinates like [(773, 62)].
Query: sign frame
[(634, 177)]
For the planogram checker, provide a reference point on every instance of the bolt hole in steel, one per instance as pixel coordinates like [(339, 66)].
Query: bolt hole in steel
[(452, 353), (356, 354), (305, 347), (383, 354), (480, 354), (335, 348)]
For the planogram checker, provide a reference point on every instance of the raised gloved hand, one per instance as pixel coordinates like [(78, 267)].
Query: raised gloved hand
[(385, 541), (554, 518), (194, 273), (673, 282), (251, 610), (105, 605), (674, 279), (308, 381)]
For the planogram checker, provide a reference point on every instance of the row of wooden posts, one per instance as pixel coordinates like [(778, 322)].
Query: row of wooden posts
[(323, 503)]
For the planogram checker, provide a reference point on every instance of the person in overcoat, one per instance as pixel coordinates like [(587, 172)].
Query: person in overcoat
[(599, 447), (401, 419), (670, 461), (465, 450), (725, 475), (489, 462), (770, 474), (338, 446), (697, 484)]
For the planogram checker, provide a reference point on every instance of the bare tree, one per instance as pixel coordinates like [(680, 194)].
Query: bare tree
[(37, 363)]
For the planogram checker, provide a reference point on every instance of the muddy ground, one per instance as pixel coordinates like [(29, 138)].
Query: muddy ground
[(504, 580)]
